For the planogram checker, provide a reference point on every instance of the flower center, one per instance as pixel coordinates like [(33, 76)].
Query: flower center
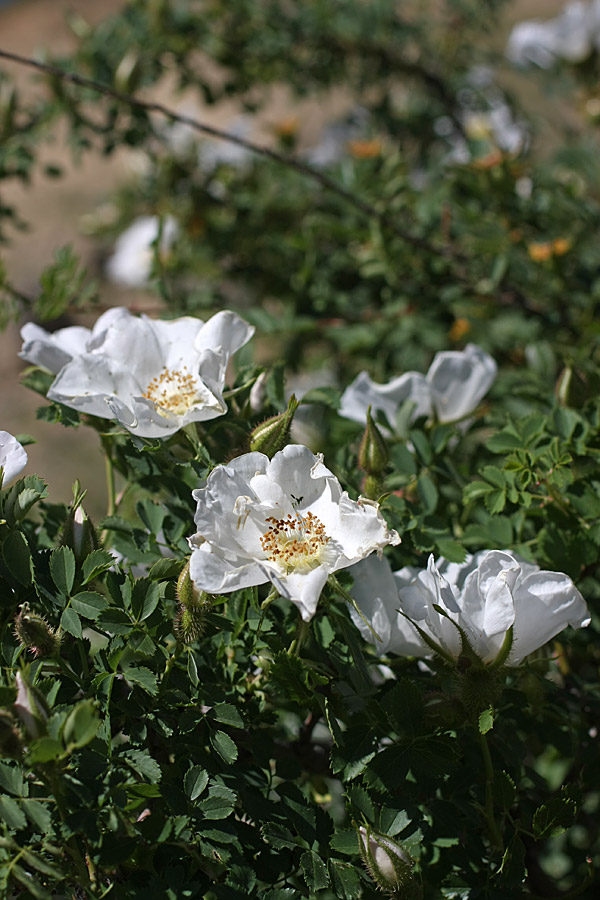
[(296, 542), (173, 392)]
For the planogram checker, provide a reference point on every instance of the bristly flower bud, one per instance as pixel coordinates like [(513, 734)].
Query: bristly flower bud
[(273, 434), (373, 454), (33, 631), (190, 620), (78, 532), (187, 592), (389, 864)]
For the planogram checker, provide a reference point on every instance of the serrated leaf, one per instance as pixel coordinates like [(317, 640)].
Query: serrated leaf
[(42, 865), (279, 836), (327, 396), (71, 623), (11, 780), (39, 815), (281, 894), (97, 562), (11, 813), (224, 746), (554, 817), (219, 803), (428, 493), (142, 677), (194, 782), (345, 880), (345, 842), (89, 604), (166, 568), (115, 621), (227, 714), (512, 870), (451, 550), (43, 750), (143, 764), (31, 884), (314, 870), (62, 569)]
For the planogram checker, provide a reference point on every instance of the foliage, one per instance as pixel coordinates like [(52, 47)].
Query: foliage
[(226, 749)]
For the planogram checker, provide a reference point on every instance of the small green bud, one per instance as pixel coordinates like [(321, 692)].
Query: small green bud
[(78, 532), (479, 687), (190, 623), (187, 592), (389, 864), (373, 454), (273, 434), (33, 631)]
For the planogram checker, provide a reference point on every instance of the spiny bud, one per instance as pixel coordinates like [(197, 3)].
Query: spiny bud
[(479, 687), (10, 740), (33, 631), (78, 532), (389, 864), (273, 434), (187, 592), (190, 623), (373, 455)]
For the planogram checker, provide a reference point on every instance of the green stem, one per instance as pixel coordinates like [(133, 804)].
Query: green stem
[(493, 829), (299, 638), (110, 483)]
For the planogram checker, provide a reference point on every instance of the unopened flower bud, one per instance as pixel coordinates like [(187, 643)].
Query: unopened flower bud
[(79, 534), (572, 388), (258, 393), (190, 623), (33, 631), (10, 741), (479, 687), (389, 864), (30, 707), (373, 455), (273, 434), (187, 592)]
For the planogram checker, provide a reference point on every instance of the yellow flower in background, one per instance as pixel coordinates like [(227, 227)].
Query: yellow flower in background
[(460, 327), (560, 246), (540, 252), (365, 149)]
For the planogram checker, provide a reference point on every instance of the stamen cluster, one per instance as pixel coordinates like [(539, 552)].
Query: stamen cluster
[(173, 392), (295, 542)]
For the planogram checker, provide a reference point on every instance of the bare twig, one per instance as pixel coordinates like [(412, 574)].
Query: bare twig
[(294, 163)]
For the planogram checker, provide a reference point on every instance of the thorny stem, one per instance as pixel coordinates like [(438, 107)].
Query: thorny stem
[(297, 165), (493, 829)]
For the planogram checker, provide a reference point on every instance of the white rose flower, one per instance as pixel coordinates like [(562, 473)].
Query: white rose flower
[(131, 261), (454, 385), (53, 350), (13, 457), (284, 520), (153, 377), (570, 36), (486, 596)]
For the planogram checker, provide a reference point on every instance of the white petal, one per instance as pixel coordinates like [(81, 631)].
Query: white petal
[(304, 589), (225, 331), (385, 398), (545, 602), (52, 351), (459, 380), (13, 457), (217, 575)]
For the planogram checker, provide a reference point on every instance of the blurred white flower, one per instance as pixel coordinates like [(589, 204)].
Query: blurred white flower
[(13, 457), (133, 256), (570, 36), (454, 385), (284, 520), (489, 594), (153, 377)]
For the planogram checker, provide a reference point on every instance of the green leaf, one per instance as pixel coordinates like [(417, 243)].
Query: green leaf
[(81, 725), (11, 813), (143, 764), (219, 804), (512, 870), (421, 445), (166, 568), (11, 780), (97, 562), (486, 720), (327, 396), (62, 569), (17, 557), (345, 842), (89, 604), (115, 621), (144, 599), (344, 879), (194, 782), (31, 884), (451, 550), (142, 677), (39, 815), (281, 894), (224, 746), (42, 865), (279, 836), (43, 750), (428, 493), (70, 622), (227, 714), (554, 817), (314, 870)]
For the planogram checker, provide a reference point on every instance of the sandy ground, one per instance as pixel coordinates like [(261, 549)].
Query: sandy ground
[(54, 209)]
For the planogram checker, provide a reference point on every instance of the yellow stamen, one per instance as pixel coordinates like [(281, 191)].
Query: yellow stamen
[(296, 542), (173, 392)]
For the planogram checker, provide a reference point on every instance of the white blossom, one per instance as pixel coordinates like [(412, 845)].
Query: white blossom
[(454, 385), (13, 458), (153, 377), (284, 520), (131, 261), (53, 350), (486, 596), (571, 37)]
